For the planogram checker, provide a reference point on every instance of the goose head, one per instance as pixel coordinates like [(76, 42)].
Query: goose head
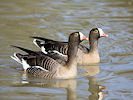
[(74, 39), (77, 36), (97, 33)]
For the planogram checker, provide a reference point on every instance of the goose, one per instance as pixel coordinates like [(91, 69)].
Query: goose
[(85, 56), (46, 67)]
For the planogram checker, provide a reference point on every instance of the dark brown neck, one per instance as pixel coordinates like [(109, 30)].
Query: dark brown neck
[(93, 45), (72, 53)]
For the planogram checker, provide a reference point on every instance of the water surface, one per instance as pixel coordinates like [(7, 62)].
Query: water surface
[(56, 19)]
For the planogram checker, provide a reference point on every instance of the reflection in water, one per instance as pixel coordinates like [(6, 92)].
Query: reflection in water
[(70, 84), (54, 19), (91, 70), (95, 89)]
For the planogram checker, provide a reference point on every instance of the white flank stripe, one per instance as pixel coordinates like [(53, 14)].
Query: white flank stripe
[(40, 68), (55, 51)]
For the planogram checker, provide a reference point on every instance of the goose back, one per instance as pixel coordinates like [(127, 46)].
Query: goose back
[(44, 61)]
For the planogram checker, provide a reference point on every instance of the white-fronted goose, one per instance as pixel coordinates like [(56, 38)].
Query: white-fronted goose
[(50, 68), (85, 56)]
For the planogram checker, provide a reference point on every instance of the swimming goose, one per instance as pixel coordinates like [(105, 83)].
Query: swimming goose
[(85, 56), (46, 67)]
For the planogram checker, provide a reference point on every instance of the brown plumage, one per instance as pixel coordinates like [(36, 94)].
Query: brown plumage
[(46, 67), (31, 53), (85, 56)]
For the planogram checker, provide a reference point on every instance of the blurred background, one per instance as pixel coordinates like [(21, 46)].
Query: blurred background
[(56, 19)]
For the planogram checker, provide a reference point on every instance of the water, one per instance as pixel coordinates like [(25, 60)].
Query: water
[(55, 19)]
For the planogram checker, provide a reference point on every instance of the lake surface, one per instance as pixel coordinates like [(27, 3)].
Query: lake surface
[(56, 19)]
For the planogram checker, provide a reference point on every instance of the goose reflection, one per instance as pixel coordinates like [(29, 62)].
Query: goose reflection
[(90, 70), (95, 89), (70, 85)]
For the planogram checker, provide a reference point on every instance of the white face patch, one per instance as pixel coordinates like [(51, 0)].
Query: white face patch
[(81, 35), (100, 32), (40, 68)]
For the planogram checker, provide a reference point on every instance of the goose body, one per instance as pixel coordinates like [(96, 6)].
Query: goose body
[(85, 56), (44, 66)]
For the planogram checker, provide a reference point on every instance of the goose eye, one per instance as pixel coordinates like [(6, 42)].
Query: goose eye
[(76, 34), (96, 31)]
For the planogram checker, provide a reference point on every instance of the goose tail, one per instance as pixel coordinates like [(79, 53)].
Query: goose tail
[(17, 57), (21, 59), (26, 50), (40, 44)]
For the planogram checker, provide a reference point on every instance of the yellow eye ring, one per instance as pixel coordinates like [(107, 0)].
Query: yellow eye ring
[(96, 31), (76, 34)]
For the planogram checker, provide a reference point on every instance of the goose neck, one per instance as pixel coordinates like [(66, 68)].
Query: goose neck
[(72, 53), (93, 45)]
